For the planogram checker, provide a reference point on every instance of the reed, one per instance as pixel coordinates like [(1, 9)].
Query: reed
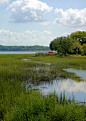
[(18, 105), (34, 107)]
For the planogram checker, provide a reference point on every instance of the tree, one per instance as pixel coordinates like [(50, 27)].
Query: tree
[(79, 35), (76, 47), (52, 45), (24, 48), (62, 44), (84, 48)]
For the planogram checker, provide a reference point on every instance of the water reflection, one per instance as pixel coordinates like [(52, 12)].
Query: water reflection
[(81, 73), (78, 89), (69, 86), (17, 52)]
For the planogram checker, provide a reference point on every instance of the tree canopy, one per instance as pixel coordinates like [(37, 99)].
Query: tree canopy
[(62, 44), (84, 48), (79, 35), (73, 43), (24, 48), (76, 47)]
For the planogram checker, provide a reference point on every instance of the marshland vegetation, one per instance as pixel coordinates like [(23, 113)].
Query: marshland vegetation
[(17, 104)]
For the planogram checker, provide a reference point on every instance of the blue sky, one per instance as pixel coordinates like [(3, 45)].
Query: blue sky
[(37, 22)]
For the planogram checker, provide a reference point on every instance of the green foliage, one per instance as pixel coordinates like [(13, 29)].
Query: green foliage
[(66, 54), (76, 47), (2, 111), (70, 44), (82, 52), (17, 105), (62, 44), (43, 78), (79, 35), (32, 107), (84, 48), (60, 54), (24, 48)]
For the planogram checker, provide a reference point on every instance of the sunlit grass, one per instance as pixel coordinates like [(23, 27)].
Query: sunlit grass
[(18, 105), (69, 60), (33, 106)]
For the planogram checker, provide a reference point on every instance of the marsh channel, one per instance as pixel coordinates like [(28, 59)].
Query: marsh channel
[(71, 86)]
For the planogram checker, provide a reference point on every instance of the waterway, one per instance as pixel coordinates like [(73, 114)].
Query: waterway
[(17, 52), (69, 86)]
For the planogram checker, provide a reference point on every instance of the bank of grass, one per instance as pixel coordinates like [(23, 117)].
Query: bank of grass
[(59, 63), (35, 107), (18, 105), (68, 60)]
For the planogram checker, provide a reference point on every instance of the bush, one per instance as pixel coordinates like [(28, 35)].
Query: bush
[(66, 54), (82, 52), (60, 54), (34, 107), (2, 112)]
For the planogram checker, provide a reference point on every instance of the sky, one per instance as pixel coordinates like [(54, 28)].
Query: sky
[(38, 22)]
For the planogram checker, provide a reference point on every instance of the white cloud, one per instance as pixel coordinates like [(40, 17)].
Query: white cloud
[(4, 1), (69, 86), (29, 11), (70, 17), (25, 38), (44, 23), (47, 32), (72, 87), (65, 34)]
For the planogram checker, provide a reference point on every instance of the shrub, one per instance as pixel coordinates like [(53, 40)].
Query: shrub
[(82, 52), (60, 54), (66, 54)]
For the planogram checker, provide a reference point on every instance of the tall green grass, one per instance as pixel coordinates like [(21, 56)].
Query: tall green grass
[(18, 105), (34, 107), (68, 60)]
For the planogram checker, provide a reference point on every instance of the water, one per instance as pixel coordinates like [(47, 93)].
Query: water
[(71, 87), (81, 73), (17, 52)]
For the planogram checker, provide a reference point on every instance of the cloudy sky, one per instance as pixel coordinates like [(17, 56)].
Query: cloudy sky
[(37, 22)]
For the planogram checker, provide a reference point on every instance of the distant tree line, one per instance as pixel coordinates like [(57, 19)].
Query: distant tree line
[(72, 44), (24, 48)]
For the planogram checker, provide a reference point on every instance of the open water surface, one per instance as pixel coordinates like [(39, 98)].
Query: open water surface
[(81, 73), (69, 86), (17, 52)]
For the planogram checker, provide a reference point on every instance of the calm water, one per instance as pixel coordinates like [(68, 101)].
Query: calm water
[(17, 52), (81, 73), (71, 87)]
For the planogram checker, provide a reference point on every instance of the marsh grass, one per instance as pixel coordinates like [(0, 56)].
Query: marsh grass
[(69, 60), (34, 107), (18, 105), (60, 63)]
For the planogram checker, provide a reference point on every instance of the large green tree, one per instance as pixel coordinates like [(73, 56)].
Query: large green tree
[(79, 35), (62, 44), (76, 47), (84, 48)]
